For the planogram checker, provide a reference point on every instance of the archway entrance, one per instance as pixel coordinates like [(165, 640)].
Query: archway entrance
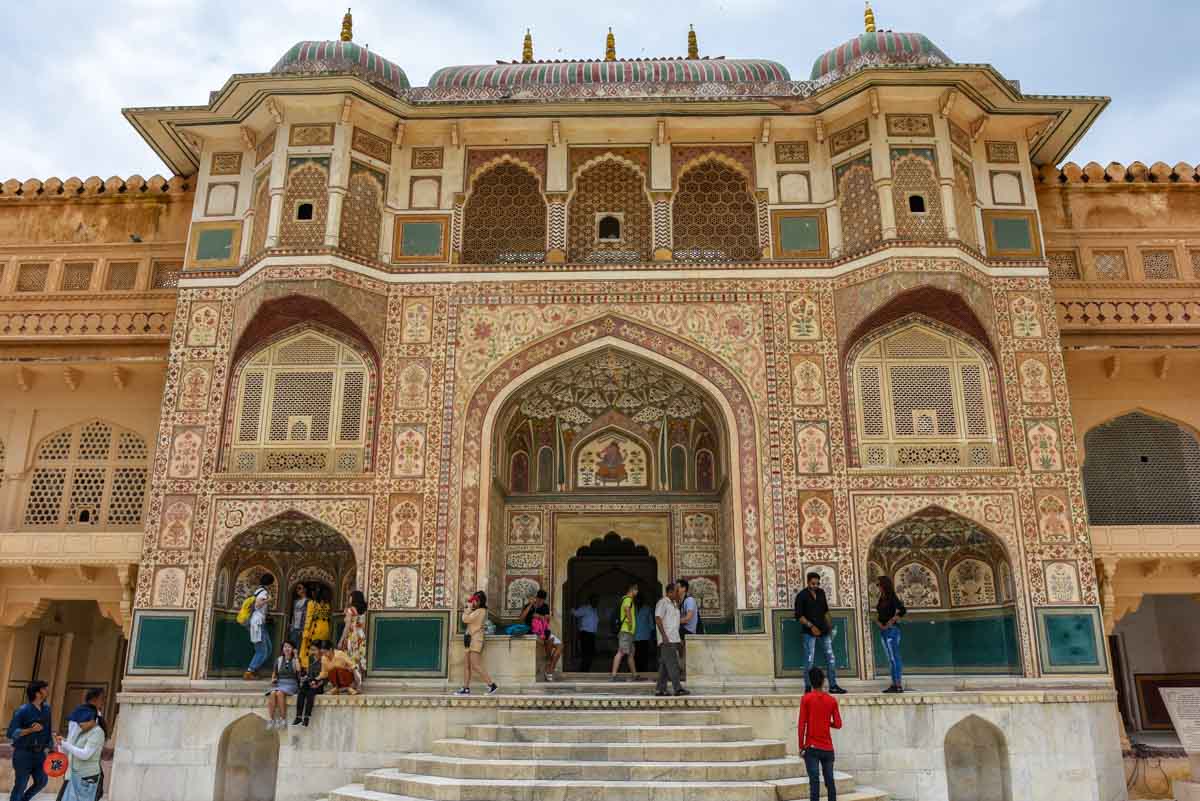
[(601, 572), (295, 550), (957, 581)]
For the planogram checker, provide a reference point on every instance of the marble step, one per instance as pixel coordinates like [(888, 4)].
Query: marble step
[(743, 751), (713, 733), (565, 791), (501, 770), (797, 790), (392, 785), (609, 717)]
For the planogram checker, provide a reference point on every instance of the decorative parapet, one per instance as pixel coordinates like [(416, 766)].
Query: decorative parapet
[(74, 324), (44, 548), (131, 187), (1131, 313), (1147, 542), (1092, 174)]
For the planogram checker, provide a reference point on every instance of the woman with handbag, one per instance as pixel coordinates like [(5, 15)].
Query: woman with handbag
[(84, 747), (474, 617)]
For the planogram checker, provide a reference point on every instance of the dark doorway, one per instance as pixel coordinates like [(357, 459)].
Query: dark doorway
[(604, 569)]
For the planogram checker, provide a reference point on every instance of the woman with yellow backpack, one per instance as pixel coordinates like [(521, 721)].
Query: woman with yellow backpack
[(254, 615)]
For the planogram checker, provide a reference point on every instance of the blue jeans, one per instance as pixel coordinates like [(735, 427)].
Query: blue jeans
[(262, 652), (79, 788), (810, 656), (891, 646), (816, 762), (27, 765)]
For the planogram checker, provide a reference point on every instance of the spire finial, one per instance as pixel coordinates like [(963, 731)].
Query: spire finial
[(693, 46), (610, 46), (347, 27), (527, 49), (869, 18)]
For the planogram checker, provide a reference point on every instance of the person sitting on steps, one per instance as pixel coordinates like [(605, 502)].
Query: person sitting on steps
[(338, 669), (539, 623)]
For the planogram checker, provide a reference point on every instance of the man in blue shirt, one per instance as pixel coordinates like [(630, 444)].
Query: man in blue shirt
[(643, 636), (31, 738), (589, 621)]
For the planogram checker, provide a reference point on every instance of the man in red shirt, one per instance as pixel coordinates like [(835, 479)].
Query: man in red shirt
[(818, 714)]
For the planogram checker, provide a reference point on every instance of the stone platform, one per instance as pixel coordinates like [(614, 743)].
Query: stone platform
[(557, 742)]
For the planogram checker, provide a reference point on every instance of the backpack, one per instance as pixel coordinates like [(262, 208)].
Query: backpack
[(540, 627), (243, 615), (616, 619)]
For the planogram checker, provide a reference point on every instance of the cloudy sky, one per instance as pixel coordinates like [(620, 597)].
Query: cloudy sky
[(70, 66)]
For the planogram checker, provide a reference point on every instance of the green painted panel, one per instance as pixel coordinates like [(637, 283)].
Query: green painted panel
[(161, 643), (231, 648), (1071, 640), (799, 233), (1012, 233), (718, 625), (960, 641), (421, 239), (214, 244), (752, 622), (789, 643), (411, 644)]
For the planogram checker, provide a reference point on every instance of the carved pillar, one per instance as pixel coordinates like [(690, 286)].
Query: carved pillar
[(556, 227), (1108, 571), (456, 227), (8, 647), (762, 199), (881, 164), (663, 233), (833, 217), (127, 576), (339, 177), (278, 179)]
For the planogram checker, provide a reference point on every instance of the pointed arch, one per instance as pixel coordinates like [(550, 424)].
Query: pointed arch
[(247, 761), (976, 758), (714, 211), (609, 183), (719, 383), (504, 213)]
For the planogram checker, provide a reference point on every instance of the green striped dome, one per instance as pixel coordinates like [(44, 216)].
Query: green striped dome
[(316, 58), (877, 48), (657, 70)]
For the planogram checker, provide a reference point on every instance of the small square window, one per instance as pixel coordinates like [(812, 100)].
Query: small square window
[(304, 211), (916, 204), (609, 227)]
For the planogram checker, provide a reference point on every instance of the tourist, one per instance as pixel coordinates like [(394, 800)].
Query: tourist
[(812, 613), (317, 627), (627, 625), (818, 714), (338, 670), (539, 620), (29, 731), (666, 618), (93, 703), (354, 635), (689, 620), (588, 620), (300, 602), (890, 609), (85, 748), (260, 638), (311, 685), (524, 624), (473, 618), (643, 635), (285, 682)]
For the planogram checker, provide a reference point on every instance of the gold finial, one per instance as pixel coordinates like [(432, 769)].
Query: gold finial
[(347, 27), (610, 47), (527, 49), (869, 18), (693, 46)]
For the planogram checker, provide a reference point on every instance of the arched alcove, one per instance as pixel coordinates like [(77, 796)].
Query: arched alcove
[(952, 575), (247, 761), (977, 767)]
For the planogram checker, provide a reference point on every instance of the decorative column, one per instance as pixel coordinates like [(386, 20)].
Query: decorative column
[(339, 177), (945, 170), (556, 227), (833, 218), (762, 209), (278, 178), (881, 161), (456, 227), (663, 235), (1108, 572)]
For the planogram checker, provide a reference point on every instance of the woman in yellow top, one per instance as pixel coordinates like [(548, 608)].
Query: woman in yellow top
[(474, 617), (354, 635), (316, 627)]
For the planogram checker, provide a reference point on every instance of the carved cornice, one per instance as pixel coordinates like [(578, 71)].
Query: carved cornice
[(1117, 174), (1129, 312), (133, 187), (76, 323)]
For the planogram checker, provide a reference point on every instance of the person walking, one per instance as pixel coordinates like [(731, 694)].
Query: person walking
[(666, 619), (310, 686), (625, 630), (816, 628), (354, 634), (84, 748), (889, 610), (818, 714), (689, 621), (285, 682), (260, 638), (29, 731), (588, 621), (473, 618), (643, 635), (300, 602), (93, 703)]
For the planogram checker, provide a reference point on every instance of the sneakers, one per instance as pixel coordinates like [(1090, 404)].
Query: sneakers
[(463, 691), (492, 689), (296, 722), (661, 694), (549, 677), (304, 723), (836, 691), (894, 689), (249, 676), (682, 692), (614, 677)]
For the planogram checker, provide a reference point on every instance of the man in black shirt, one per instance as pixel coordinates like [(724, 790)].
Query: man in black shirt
[(812, 613)]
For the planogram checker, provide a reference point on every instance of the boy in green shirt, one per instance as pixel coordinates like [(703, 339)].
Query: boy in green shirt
[(625, 635)]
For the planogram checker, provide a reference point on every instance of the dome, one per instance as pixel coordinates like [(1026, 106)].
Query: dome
[(621, 71), (317, 58), (877, 48)]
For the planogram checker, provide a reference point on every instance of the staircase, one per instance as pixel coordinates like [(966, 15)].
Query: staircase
[(663, 754)]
